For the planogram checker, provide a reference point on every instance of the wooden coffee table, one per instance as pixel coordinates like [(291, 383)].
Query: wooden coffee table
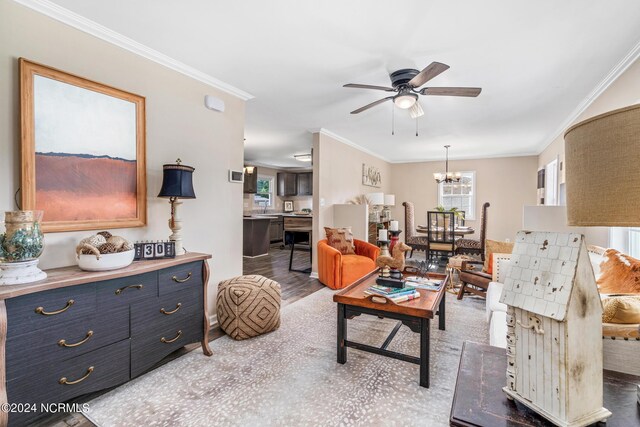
[(416, 314)]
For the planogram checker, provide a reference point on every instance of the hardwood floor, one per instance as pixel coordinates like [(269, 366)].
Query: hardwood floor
[(293, 285)]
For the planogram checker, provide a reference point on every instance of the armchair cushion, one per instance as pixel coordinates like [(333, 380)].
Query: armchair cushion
[(355, 267)]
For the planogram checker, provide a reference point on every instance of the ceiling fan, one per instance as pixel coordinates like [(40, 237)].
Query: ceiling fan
[(406, 83)]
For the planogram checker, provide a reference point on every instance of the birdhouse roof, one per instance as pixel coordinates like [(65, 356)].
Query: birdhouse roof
[(542, 273)]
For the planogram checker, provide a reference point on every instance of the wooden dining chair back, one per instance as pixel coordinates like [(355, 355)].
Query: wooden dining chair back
[(441, 227), (440, 233), (473, 246), (417, 243)]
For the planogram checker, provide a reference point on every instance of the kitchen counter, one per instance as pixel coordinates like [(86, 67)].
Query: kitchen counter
[(259, 217), (282, 214), (255, 236)]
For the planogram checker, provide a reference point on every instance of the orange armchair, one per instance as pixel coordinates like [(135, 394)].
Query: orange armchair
[(338, 271)]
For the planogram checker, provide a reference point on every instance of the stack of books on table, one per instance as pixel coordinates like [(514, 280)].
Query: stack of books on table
[(394, 294), (422, 283)]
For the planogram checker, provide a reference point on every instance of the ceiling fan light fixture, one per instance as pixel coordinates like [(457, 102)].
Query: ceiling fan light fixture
[(416, 111), (303, 157), (405, 100)]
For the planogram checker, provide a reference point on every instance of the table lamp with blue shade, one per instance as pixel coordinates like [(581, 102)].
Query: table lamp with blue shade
[(177, 183)]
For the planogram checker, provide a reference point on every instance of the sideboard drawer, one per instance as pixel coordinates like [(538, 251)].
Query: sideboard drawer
[(179, 277), (46, 309), (97, 370), (84, 334), (149, 349), (158, 314), (127, 290)]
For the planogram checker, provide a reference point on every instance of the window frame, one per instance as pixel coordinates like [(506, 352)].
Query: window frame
[(468, 216), (270, 193)]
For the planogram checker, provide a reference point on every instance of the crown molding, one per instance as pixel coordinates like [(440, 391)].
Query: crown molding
[(613, 75), (348, 142), (479, 157), (88, 26), (403, 161)]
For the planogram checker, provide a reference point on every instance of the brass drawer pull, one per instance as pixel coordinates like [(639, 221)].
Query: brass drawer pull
[(175, 279), (40, 310), (63, 343), (163, 311), (121, 290), (166, 341), (64, 380)]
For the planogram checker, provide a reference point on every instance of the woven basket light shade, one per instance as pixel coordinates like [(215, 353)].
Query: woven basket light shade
[(602, 158)]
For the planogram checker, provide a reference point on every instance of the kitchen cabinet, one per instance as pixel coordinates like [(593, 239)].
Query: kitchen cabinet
[(287, 184), (251, 181), (295, 184), (276, 233), (305, 184)]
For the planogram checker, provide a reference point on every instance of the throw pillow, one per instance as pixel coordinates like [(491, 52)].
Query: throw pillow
[(623, 309), (491, 247), (620, 274), (341, 239)]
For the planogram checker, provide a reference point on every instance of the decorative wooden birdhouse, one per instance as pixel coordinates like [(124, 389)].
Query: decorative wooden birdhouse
[(554, 329)]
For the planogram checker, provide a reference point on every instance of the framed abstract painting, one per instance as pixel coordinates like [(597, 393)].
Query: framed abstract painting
[(83, 151)]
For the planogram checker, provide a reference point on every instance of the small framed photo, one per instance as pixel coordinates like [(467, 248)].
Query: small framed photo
[(288, 205)]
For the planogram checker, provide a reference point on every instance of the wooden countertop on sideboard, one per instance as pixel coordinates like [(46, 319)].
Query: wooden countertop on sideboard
[(71, 276)]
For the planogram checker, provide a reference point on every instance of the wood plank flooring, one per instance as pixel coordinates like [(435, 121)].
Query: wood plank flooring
[(293, 285)]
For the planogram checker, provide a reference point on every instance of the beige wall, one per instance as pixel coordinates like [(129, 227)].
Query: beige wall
[(178, 125), (507, 183), (337, 178), (623, 92)]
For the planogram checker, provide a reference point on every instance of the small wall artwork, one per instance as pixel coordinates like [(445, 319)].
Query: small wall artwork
[(83, 151), (288, 205), (371, 176)]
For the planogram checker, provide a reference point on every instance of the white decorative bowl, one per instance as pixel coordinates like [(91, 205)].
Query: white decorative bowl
[(106, 261)]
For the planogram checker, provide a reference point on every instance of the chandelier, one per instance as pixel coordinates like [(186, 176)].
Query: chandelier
[(447, 177)]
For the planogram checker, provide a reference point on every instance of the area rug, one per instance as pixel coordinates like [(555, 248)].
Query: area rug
[(290, 377)]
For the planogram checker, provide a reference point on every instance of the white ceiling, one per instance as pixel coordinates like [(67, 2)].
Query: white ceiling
[(536, 61)]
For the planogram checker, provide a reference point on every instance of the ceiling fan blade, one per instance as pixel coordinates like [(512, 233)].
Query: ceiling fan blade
[(432, 70), (451, 91), (373, 104), (359, 86)]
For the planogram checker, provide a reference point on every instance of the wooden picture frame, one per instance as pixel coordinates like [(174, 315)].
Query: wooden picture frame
[(371, 176), (288, 206), (83, 151)]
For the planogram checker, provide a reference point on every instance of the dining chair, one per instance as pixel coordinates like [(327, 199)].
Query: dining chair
[(417, 243), (440, 233), (472, 246)]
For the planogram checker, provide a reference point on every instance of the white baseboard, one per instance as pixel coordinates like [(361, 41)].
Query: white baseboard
[(313, 275)]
